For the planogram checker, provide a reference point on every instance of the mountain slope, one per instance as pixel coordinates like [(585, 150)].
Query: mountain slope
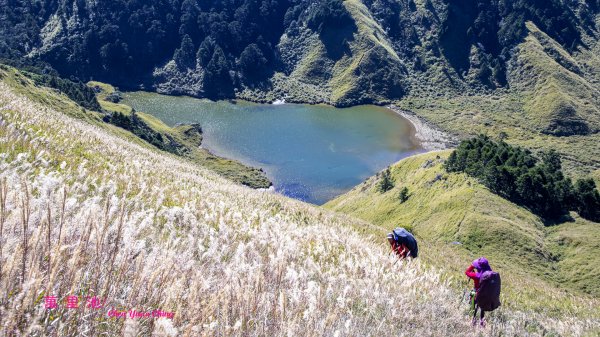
[(339, 52), (562, 102), (524, 69), (88, 211), (459, 216), (141, 128)]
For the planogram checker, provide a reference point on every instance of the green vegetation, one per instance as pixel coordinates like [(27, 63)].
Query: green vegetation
[(124, 41), (458, 219), (563, 100), (329, 14), (515, 174), (76, 91), (134, 123), (386, 183), (496, 26), (403, 195), (252, 63), (53, 98), (587, 199), (217, 81), (182, 140), (105, 94), (575, 246)]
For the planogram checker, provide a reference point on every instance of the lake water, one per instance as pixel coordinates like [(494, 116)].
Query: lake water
[(309, 152)]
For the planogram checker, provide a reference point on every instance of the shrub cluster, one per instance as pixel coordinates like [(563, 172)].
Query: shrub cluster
[(387, 181), (517, 175), (329, 14), (404, 195), (76, 91), (138, 127)]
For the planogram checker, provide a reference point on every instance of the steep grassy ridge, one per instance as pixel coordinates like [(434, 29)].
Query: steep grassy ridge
[(178, 140), (87, 211), (459, 217), (552, 103), (369, 52), (562, 102), (576, 247), (349, 64)]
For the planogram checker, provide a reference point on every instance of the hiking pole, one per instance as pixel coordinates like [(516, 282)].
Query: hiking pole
[(464, 293), (397, 259)]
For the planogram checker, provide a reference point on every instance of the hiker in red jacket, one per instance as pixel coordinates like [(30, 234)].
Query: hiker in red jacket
[(400, 249), (474, 272)]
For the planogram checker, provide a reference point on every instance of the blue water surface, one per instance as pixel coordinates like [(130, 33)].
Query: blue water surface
[(309, 152)]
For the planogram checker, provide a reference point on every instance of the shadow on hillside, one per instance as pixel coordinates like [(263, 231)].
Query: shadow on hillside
[(563, 219), (337, 40)]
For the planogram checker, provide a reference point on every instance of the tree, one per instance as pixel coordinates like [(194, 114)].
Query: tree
[(184, 56), (205, 51), (403, 196), (387, 182), (252, 61), (329, 13), (217, 81), (552, 163), (587, 199)]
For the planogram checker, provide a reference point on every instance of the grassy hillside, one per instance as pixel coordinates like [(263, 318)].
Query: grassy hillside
[(460, 219), (552, 102), (179, 140), (183, 140), (88, 209), (576, 247), (562, 102)]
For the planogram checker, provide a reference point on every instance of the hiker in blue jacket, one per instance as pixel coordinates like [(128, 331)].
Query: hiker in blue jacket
[(403, 243)]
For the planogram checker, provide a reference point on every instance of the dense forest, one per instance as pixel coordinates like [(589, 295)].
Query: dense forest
[(235, 44), (494, 27), (497, 25), (516, 174), (118, 40)]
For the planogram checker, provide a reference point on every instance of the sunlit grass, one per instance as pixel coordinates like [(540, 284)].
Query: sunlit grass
[(459, 219), (86, 211)]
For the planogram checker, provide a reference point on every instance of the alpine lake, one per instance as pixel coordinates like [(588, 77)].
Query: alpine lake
[(310, 152)]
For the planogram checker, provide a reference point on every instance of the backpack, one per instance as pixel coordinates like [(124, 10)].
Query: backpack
[(488, 294), (401, 235)]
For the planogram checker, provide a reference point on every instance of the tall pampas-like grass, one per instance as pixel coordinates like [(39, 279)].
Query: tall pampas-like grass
[(88, 214)]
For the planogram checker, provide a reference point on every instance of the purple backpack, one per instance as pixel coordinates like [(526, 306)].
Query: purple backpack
[(488, 294)]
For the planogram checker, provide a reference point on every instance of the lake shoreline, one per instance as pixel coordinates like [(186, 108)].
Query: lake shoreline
[(425, 134), (428, 136), (308, 152)]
